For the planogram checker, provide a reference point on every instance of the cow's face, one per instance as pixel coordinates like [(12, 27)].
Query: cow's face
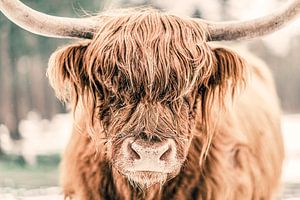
[(148, 142), (140, 81)]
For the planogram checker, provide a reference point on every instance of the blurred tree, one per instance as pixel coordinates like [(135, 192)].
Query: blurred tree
[(23, 62), (197, 13), (286, 72), (9, 82)]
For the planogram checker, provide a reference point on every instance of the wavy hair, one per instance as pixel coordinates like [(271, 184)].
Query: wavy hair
[(148, 56)]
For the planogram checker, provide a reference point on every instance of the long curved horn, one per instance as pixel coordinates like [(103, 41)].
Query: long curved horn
[(47, 25), (238, 30)]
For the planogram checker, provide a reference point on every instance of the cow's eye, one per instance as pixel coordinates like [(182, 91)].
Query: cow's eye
[(186, 101), (120, 104)]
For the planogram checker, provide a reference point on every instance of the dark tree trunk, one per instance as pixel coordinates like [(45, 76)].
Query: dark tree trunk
[(15, 134), (9, 84)]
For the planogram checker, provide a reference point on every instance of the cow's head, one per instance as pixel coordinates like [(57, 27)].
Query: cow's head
[(143, 80)]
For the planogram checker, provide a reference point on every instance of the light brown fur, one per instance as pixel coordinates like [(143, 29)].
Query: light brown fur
[(154, 72)]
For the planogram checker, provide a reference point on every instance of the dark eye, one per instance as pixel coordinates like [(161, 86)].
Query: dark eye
[(112, 99), (120, 104), (186, 101), (201, 89)]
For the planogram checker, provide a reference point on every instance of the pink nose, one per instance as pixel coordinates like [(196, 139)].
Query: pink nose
[(151, 155), (145, 151)]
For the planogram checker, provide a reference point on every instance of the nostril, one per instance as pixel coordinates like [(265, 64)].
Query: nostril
[(133, 153), (143, 136), (165, 156), (155, 139)]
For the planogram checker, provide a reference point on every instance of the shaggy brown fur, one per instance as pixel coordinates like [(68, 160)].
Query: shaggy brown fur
[(154, 72)]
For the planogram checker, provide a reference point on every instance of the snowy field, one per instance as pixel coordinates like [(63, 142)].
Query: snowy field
[(36, 131)]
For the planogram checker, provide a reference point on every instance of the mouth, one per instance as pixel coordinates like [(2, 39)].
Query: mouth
[(146, 179)]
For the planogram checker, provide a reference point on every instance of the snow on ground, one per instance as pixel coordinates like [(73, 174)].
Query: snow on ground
[(51, 193)]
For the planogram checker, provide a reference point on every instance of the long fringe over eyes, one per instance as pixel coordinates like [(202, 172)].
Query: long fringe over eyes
[(144, 56)]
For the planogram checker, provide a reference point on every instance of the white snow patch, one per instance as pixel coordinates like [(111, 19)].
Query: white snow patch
[(50, 193), (39, 136), (5, 142)]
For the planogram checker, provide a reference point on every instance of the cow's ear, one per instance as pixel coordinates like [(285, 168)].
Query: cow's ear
[(67, 71), (226, 76), (229, 70)]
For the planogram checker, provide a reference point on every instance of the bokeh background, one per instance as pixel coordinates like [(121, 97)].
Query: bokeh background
[(35, 126)]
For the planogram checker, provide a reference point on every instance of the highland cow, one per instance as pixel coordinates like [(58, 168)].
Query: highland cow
[(159, 111)]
